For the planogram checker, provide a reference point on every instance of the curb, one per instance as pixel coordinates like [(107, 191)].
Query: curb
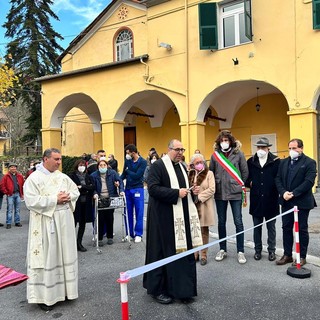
[(279, 252)]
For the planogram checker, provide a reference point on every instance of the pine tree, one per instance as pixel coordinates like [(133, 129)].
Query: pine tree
[(34, 50)]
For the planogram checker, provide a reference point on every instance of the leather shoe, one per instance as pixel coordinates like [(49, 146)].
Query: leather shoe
[(303, 261), (8, 226), (44, 307), (163, 298), (272, 256), (18, 224), (81, 248), (284, 260), (1, 224), (257, 256)]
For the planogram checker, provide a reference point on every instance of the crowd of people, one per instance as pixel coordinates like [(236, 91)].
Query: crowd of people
[(184, 197)]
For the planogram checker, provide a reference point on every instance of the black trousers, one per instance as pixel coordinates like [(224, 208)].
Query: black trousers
[(287, 230), (257, 234), (82, 222), (106, 220)]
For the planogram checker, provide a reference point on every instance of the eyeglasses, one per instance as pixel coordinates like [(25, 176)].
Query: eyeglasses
[(182, 150)]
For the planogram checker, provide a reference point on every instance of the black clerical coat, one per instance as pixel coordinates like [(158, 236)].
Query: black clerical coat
[(177, 279)]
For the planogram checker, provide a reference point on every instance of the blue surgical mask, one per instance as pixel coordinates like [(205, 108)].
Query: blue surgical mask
[(103, 170)]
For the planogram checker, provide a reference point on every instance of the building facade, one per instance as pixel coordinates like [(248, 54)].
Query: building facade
[(145, 72)]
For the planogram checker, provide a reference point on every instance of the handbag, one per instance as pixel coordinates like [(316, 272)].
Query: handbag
[(104, 202)]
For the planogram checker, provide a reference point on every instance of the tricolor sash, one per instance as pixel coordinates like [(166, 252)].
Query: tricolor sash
[(233, 172)]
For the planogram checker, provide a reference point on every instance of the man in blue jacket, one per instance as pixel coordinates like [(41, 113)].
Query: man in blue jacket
[(295, 179), (133, 170)]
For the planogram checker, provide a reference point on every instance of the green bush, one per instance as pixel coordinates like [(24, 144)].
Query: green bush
[(68, 163)]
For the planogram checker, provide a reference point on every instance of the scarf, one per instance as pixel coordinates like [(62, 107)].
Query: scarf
[(178, 217)]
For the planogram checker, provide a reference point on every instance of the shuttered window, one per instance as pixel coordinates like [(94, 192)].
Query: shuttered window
[(248, 21), (316, 14), (208, 26)]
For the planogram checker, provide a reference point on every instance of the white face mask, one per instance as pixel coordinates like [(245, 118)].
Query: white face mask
[(81, 169), (261, 153), (294, 154), (153, 161), (224, 145), (128, 157)]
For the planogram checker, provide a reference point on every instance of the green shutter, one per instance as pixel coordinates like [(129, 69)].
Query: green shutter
[(316, 14), (248, 19), (208, 26)]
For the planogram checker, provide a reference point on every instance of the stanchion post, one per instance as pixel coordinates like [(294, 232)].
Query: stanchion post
[(123, 280), (296, 232), (297, 271)]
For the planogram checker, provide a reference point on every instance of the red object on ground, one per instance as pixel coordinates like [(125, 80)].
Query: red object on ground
[(10, 277)]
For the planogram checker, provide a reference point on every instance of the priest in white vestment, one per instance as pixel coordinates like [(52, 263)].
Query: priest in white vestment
[(52, 260)]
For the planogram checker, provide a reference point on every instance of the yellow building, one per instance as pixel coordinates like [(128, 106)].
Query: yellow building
[(5, 137), (145, 72)]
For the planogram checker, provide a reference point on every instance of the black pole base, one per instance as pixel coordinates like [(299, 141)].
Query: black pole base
[(301, 273)]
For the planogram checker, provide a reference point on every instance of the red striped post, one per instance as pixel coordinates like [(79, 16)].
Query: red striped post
[(123, 280), (296, 231)]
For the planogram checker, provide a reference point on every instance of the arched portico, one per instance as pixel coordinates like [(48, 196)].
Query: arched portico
[(233, 106), (52, 136)]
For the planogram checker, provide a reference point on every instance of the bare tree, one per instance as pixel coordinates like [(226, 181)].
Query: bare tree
[(16, 126)]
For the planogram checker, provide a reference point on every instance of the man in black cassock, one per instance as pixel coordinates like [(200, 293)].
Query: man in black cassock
[(170, 211)]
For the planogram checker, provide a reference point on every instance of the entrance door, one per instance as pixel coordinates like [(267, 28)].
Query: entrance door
[(130, 136)]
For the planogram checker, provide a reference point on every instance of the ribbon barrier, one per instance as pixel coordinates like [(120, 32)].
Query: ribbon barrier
[(298, 271), (127, 275)]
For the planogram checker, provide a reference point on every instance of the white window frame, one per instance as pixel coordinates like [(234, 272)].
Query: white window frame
[(232, 13), (121, 44)]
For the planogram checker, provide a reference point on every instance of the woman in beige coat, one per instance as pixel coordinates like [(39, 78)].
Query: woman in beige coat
[(200, 175)]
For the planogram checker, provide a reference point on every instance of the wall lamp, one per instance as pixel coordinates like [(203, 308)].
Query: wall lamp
[(258, 106), (165, 45)]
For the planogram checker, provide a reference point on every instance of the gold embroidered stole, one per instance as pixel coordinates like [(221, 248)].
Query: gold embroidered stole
[(179, 223)]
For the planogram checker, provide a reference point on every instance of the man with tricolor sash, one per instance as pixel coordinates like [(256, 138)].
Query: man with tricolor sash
[(230, 169)]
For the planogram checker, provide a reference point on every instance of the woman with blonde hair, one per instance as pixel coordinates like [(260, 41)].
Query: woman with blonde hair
[(200, 175)]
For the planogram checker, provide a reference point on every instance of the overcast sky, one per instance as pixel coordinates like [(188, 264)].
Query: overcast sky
[(74, 16)]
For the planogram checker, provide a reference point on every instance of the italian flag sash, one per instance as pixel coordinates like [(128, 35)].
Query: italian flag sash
[(233, 172)]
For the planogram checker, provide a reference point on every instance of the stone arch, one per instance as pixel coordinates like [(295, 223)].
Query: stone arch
[(228, 98), (79, 100), (151, 102)]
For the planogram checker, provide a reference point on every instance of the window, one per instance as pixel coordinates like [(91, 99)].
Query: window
[(231, 20), (316, 14), (124, 45)]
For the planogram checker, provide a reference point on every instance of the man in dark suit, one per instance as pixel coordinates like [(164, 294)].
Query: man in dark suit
[(295, 179)]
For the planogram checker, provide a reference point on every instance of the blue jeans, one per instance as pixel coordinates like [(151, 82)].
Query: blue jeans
[(135, 200), (13, 201), (236, 208)]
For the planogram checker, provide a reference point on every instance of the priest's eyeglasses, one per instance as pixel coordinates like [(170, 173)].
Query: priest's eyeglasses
[(182, 150)]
